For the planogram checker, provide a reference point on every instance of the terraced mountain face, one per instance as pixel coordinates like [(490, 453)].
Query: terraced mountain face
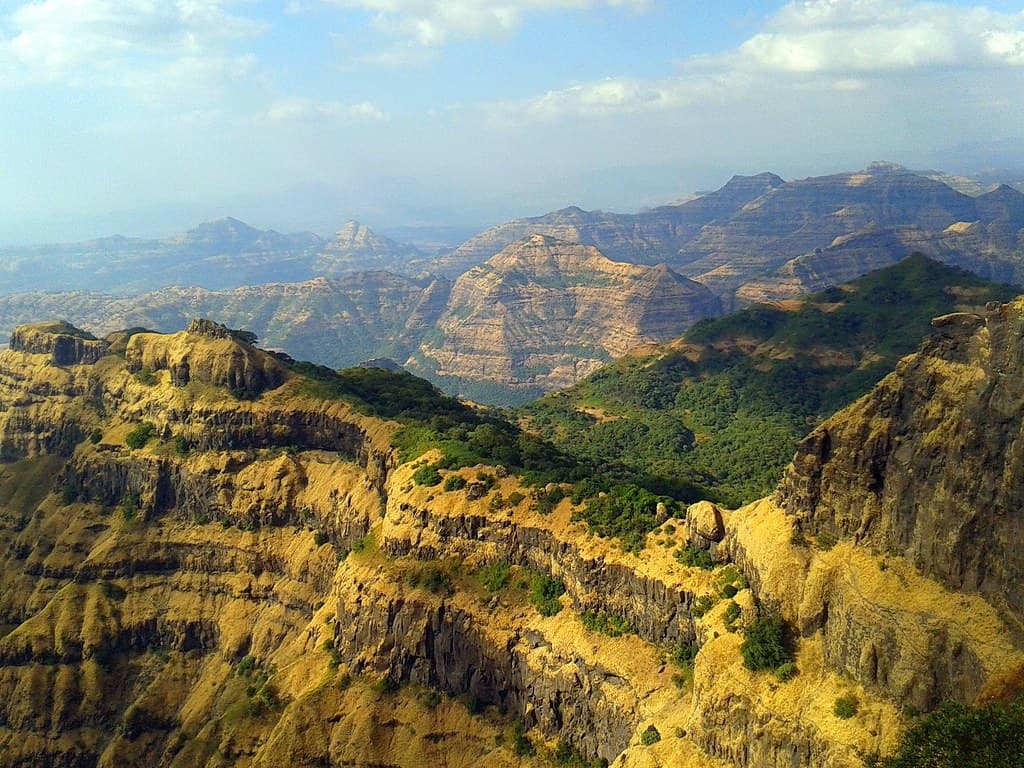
[(719, 412), (544, 313), (210, 557)]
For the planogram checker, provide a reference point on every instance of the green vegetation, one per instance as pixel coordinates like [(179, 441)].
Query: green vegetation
[(567, 756), (495, 576), (732, 615), (427, 475), (626, 511), (955, 736), (146, 376), (695, 557), (521, 742), (845, 707), (454, 483), (436, 578), (650, 736), (140, 435), (606, 623), (765, 644), (786, 672), (544, 594), (721, 417)]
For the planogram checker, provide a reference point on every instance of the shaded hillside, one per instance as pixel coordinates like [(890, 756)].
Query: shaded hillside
[(724, 407)]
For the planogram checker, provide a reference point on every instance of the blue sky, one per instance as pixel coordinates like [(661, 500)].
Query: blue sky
[(147, 116)]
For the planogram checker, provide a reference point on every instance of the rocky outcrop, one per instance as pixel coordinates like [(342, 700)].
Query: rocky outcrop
[(924, 465), (64, 343), (219, 359), (545, 313)]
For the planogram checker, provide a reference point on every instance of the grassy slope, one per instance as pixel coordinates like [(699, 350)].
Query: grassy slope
[(723, 408)]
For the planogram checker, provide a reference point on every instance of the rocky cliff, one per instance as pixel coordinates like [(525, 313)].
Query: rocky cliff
[(544, 313), (925, 465), (193, 578)]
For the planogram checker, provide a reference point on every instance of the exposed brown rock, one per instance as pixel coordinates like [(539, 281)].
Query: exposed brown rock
[(545, 313)]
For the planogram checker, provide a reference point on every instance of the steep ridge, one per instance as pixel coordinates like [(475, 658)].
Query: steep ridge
[(260, 579), (544, 313)]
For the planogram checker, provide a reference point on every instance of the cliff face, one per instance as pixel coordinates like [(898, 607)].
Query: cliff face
[(262, 582), (546, 313), (925, 465)]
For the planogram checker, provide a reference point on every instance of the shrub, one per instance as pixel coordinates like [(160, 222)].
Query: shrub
[(650, 736), (321, 538), (521, 742), (695, 557), (494, 576), (428, 476), (684, 653), (454, 483), (606, 623), (732, 613), (825, 541), (729, 590), (181, 446), (765, 644), (786, 671), (95, 436), (141, 435), (146, 376), (544, 594), (515, 498), (703, 604), (845, 707)]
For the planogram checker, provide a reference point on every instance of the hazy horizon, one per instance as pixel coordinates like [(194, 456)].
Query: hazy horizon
[(144, 119)]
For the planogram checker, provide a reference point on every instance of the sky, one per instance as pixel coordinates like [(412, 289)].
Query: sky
[(145, 117)]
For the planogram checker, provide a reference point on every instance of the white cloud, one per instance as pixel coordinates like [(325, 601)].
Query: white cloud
[(839, 45), (88, 41), (297, 109), (435, 22), (871, 35)]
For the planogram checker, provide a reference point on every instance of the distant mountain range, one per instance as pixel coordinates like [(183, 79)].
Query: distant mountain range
[(216, 255), (534, 304)]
